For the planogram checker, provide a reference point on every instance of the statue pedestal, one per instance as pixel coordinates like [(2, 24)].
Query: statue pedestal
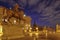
[(12, 31)]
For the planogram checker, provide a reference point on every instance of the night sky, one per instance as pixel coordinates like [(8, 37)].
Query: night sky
[(44, 12)]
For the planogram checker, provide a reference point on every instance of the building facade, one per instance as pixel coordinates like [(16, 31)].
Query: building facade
[(57, 28)]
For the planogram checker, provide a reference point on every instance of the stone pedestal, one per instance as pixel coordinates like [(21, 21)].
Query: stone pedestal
[(12, 31)]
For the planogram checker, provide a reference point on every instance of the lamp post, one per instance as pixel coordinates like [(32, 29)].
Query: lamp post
[(46, 34), (30, 32), (34, 33)]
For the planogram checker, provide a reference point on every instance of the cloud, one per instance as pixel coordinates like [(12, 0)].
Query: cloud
[(4, 0)]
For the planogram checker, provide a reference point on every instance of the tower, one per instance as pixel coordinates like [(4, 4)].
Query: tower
[(57, 28), (44, 29), (35, 27)]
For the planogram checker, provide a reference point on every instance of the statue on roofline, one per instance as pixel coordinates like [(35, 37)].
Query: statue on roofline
[(15, 12)]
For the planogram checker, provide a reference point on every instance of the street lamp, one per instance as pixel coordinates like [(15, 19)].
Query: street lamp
[(30, 29), (46, 34), (36, 28), (37, 34), (30, 32), (24, 15), (14, 21)]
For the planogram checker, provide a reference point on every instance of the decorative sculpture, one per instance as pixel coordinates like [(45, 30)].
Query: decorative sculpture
[(9, 13)]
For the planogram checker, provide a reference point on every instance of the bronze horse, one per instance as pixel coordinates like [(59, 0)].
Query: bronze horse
[(9, 13)]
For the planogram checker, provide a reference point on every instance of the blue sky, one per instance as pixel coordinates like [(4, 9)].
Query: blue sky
[(44, 12)]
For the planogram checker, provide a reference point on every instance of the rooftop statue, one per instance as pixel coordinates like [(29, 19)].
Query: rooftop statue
[(15, 12)]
